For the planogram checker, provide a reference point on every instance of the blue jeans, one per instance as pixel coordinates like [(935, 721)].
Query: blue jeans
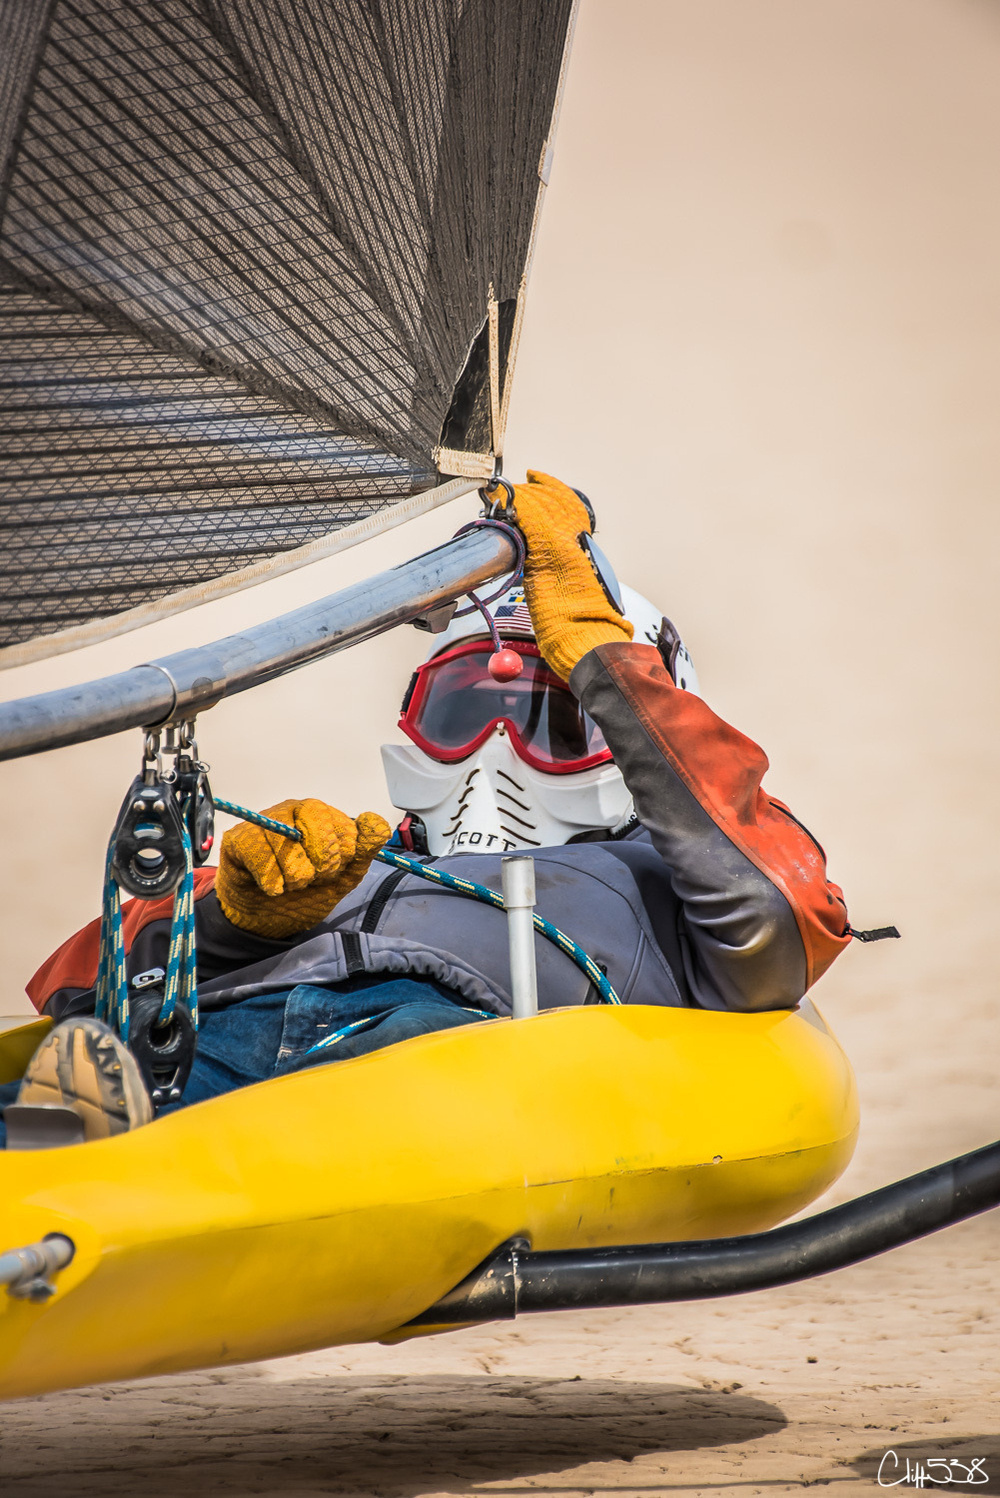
[(276, 1033)]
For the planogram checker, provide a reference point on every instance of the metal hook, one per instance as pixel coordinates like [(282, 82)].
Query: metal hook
[(494, 508), (152, 760)]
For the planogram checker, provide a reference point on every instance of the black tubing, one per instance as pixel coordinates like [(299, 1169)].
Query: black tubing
[(514, 1280)]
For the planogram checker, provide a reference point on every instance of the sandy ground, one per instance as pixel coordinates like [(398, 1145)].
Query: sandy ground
[(765, 336)]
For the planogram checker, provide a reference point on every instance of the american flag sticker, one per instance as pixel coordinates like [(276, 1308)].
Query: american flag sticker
[(511, 614)]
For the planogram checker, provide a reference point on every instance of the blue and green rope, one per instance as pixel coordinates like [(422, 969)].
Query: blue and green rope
[(461, 886), (490, 897), (181, 980), (112, 986)]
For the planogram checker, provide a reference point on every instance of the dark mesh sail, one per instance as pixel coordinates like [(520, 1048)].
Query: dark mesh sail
[(247, 251)]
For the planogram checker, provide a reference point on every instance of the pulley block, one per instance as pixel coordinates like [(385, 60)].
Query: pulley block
[(194, 794), (164, 1050), (148, 858)]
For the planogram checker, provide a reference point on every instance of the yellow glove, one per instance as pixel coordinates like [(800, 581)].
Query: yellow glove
[(275, 887), (569, 611)]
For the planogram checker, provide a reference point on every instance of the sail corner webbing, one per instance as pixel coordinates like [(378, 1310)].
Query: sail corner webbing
[(262, 268)]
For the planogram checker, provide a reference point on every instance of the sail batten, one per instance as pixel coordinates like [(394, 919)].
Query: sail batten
[(247, 248)]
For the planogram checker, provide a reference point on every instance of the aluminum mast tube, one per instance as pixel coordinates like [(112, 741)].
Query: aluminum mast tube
[(181, 685)]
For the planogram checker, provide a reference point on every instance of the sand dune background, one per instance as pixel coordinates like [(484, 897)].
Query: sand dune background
[(764, 335)]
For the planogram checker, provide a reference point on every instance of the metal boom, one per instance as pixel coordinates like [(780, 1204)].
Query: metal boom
[(190, 681)]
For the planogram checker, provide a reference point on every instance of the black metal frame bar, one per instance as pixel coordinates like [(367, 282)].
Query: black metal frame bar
[(514, 1280)]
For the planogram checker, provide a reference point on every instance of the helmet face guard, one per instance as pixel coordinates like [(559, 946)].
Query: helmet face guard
[(454, 705)]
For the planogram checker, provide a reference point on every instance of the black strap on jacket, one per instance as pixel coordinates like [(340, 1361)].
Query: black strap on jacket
[(379, 900)]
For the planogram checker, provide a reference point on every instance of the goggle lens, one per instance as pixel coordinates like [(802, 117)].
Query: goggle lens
[(455, 704)]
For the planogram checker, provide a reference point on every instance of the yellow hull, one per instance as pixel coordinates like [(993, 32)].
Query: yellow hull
[(333, 1205)]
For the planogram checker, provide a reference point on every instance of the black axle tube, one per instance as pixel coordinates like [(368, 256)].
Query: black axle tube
[(515, 1280)]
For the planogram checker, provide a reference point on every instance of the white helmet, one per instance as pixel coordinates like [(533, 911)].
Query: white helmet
[(496, 766)]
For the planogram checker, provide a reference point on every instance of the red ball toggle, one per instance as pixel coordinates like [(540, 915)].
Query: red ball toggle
[(505, 665)]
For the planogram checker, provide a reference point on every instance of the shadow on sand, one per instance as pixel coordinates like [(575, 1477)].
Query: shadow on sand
[(239, 1432)]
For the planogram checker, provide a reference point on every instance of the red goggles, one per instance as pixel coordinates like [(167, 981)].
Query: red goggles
[(454, 704)]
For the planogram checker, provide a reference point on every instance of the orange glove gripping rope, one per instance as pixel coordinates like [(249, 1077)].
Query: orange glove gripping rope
[(274, 887)]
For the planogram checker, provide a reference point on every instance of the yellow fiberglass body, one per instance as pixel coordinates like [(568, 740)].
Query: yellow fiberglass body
[(334, 1204)]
